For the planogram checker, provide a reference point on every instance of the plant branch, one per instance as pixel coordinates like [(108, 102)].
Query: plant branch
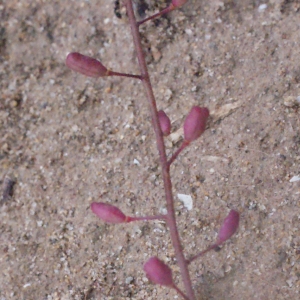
[(171, 220), (201, 253), (179, 150), (159, 14), (146, 218), (112, 73), (180, 292)]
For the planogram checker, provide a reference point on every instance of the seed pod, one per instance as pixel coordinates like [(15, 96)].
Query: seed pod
[(165, 123), (158, 272), (86, 65), (229, 227), (178, 3), (108, 213), (195, 122)]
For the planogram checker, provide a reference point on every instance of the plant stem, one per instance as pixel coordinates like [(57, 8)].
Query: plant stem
[(146, 218), (171, 220), (179, 150), (164, 11), (112, 73), (201, 253), (180, 292)]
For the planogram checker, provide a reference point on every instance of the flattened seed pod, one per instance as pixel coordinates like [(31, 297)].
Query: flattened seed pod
[(86, 65)]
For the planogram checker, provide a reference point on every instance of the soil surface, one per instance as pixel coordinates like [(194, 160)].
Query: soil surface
[(67, 140)]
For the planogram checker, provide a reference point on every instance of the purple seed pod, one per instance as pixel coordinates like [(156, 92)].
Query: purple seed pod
[(86, 65), (229, 227), (178, 3), (195, 122), (165, 123), (158, 272), (108, 213)]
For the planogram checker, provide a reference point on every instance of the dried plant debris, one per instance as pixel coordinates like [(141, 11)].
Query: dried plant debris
[(7, 188), (225, 110)]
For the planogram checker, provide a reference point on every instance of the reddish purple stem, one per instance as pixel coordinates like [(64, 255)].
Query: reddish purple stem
[(162, 12), (201, 253), (146, 218), (180, 292), (171, 220), (112, 73), (178, 151)]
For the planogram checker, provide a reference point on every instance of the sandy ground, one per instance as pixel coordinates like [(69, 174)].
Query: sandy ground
[(68, 140)]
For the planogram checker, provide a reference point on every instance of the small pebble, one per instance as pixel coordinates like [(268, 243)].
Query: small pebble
[(262, 7), (129, 280), (291, 101)]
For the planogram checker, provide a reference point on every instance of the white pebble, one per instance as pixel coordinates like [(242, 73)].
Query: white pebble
[(262, 7), (129, 280), (186, 200)]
